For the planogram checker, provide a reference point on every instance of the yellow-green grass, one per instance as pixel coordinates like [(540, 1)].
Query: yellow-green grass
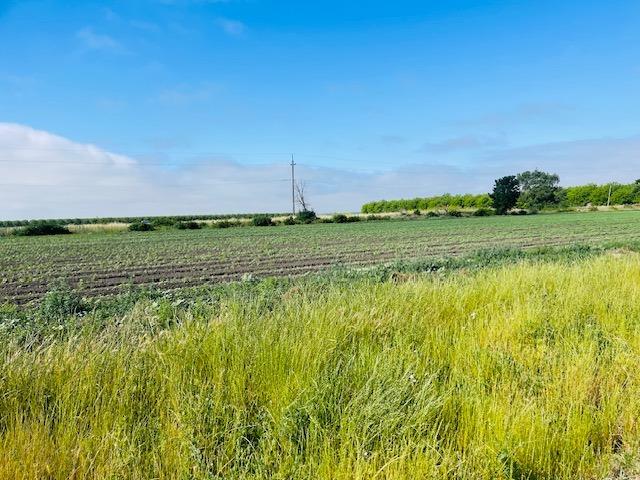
[(524, 371), (98, 227)]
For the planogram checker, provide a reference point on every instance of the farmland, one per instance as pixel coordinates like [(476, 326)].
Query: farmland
[(518, 369), (103, 263), (526, 371)]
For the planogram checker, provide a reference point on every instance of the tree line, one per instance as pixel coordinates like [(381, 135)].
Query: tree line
[(530, 190), (429, 203)]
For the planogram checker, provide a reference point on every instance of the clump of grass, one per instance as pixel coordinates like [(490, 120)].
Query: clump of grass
[(522, 371)]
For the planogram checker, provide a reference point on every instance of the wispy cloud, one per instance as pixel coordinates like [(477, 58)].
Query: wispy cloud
[(144, 25), (527, 112), (234, 28), (110, 15), (576, 161), (111, 104), (184, 94), (391, 139), (464, 142), (96, 41), (17, 85)]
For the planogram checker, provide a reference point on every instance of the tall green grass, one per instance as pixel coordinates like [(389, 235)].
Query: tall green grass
[(520, 371)]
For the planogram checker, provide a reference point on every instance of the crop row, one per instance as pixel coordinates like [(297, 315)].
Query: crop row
[(102, 263)]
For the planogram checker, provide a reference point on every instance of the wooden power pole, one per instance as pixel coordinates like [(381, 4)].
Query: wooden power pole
[(293, 186)]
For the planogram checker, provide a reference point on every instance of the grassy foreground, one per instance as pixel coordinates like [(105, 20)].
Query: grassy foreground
[(520, 371)]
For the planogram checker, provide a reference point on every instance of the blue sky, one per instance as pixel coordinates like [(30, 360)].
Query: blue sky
[(376, 100)]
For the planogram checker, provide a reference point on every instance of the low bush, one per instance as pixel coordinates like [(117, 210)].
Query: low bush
[(45, 228), (452, 212), (306, 216), (483, 212), (188, 225), (141, 227), (262, 221), (341, 218), (163, 221), (290, 221)]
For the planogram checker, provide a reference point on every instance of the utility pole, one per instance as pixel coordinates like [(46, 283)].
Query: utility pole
[(293, 186)]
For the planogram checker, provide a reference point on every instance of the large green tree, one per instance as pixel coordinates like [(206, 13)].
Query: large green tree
[(539, 189), (506, 191)]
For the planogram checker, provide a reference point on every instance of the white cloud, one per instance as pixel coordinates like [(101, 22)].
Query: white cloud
[(43, 175), (97, 41), (231, 27)]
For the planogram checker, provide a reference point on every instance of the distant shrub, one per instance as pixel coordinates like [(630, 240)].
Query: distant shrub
[(432, 214), (483, 212), (376, 217), (290, 221), (162, 221), (340, 218), (262, 221), (141, 227), (188, 225), (416, 212), (44, 228), (452, 212), (306, 216), (222, 224)]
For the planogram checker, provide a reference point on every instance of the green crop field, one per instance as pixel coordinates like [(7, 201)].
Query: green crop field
[(102, 263)]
